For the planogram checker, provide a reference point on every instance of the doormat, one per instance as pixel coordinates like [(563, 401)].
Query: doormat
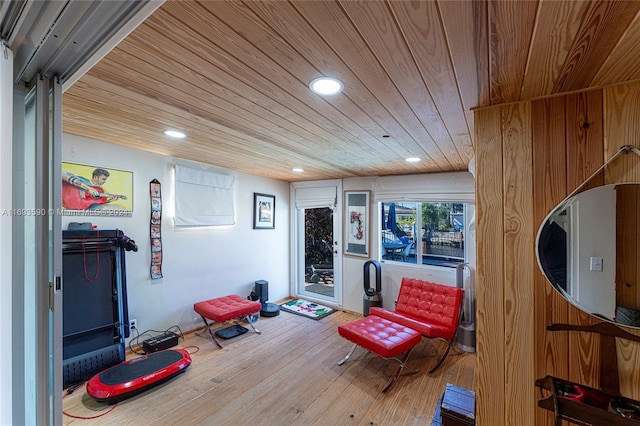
[(307, 309)]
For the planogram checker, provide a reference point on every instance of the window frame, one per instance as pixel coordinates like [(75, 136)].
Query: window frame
[(418, 238)]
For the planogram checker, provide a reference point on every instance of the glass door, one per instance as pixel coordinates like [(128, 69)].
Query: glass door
[(317, 245), (319, 252), (36, 247)]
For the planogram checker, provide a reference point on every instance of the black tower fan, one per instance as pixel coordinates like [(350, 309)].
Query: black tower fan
[(372, 296), (262, 291)]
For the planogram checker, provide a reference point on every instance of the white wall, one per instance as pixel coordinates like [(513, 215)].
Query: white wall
[(392, 273), (352, 266), (593, 234), (200, 263)]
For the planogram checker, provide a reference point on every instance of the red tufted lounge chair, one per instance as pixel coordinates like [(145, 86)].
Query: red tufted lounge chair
[(433, 310)]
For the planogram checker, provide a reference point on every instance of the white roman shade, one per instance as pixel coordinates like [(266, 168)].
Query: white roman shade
[(315, 197), (433, 187), (203, 198)]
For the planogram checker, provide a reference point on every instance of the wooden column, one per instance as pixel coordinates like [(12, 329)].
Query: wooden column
[(529, 156)]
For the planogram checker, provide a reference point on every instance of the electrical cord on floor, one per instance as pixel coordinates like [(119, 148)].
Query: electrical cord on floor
[(137, 340), (136, 347), (72, 389), (179, 333), (197, 349)]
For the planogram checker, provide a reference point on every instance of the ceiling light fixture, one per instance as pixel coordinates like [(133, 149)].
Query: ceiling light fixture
[(412, 159), (297, 170), (326, 86), (175, 134)]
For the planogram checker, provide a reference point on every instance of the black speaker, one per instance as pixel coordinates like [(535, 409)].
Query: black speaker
[(262, 290)]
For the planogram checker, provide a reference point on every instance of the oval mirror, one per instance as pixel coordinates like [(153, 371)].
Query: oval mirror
[(588, 247)]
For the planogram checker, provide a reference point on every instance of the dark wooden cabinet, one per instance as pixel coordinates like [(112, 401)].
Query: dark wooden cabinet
[(584, 405)]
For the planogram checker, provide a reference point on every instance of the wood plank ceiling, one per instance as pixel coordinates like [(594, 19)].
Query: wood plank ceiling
[(234, 76)]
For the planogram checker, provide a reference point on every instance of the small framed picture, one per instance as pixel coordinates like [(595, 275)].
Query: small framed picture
[(264, 211), (356, 225)]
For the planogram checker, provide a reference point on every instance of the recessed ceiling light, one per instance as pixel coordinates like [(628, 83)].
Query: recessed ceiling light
[(326, 86), (175, 134), (412, 159), (297, 170)]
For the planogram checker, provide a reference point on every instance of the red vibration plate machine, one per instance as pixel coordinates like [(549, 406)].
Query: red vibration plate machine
[(129, 378)]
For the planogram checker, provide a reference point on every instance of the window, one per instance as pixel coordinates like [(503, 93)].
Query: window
[(424, 218), (425, 233), (203, 198)]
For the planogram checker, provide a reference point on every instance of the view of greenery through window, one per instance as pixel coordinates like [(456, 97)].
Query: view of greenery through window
[(422, 233), (318, 249)]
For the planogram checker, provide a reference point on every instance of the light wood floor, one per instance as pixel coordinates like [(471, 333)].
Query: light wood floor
[(286, 376)]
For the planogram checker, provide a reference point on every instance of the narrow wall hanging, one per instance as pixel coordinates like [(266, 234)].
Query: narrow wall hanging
[(155, 228), (356, 223)]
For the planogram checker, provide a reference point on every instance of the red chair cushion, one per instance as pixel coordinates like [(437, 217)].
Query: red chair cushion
[(379, 335), (225, 308), (430, 308), (429, 330)]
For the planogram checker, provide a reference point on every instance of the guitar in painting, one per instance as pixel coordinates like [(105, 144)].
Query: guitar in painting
[(80, 193)]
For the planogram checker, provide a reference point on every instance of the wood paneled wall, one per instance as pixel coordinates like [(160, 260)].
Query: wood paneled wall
[(529, 156), (627, 244)]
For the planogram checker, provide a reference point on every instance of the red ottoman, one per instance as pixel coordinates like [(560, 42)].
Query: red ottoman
[(226, 308), (382, 337)]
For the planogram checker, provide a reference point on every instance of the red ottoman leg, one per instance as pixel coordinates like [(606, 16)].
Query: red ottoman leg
[(347, 356), (208, 327), (401, 366)]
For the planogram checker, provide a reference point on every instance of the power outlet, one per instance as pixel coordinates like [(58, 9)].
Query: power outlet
[(133, 323)]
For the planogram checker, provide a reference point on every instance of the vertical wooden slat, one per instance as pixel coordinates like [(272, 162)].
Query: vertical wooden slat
[(636, 247), (629, 366), (584, 135), (627, 207), (622, 127), (518, 263), (585, 154), (490, 404), (584, 351), (549, 188)]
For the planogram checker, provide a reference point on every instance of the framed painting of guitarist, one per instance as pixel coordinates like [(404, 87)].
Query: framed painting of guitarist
[(96, 191)]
